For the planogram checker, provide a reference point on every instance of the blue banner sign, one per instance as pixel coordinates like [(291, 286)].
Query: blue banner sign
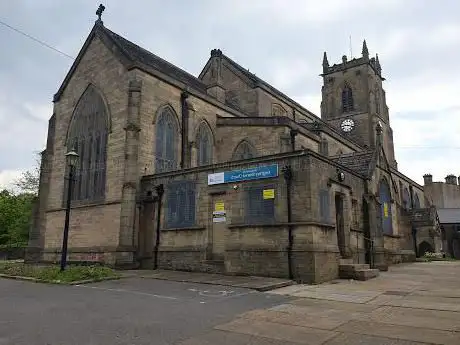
[(261, 172)]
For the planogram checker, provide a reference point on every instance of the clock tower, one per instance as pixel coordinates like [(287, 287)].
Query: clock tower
[(353, 100)]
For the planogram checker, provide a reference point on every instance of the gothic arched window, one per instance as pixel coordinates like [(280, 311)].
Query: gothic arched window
[(406, 199), (243, 151), (385, 207), (347, 99), (204, 144), (87, 135), (166, 141), (416, 201)]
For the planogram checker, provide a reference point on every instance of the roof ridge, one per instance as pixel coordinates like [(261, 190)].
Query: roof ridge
[(120, 41)]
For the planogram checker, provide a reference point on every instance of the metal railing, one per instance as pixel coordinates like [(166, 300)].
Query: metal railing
[(371, 249)]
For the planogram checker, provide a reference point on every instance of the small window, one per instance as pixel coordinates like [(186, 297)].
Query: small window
[(324, 206), (324, 147), (259, 210), (180, 204), (243, 151)]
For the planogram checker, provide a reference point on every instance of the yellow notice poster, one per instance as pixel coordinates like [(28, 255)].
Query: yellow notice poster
[(385, 209), (269, 194), (219, 206)]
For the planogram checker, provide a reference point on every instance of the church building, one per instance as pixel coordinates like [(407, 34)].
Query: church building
[(222, 172)]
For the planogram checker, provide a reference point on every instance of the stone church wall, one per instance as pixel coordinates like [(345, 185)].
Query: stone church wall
[(93, 234), (92, 226), (247, 247)]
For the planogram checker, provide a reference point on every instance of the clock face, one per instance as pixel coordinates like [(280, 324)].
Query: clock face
[(347, 125)]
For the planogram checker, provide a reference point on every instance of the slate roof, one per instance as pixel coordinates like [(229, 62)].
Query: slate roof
[(140, 55), (449, 215), (358, 161)]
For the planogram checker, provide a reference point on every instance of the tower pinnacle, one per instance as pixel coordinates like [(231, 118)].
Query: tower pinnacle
[(365, 51), (325, 63)]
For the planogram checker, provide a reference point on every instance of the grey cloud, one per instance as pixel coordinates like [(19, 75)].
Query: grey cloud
[(184, 34)]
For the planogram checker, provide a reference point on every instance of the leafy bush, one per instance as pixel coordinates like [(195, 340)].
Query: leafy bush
[(428, 256), (53, 274)]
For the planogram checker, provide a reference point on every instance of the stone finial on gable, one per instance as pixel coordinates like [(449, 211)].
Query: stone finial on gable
[(216, 52), (325, 63), (365, 51), (377, 63)]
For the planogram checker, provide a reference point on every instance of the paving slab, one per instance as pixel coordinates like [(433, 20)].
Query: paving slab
[(414, 318), (321, 319), (358, 339), (351, 307), (421, 304), (423, 335), (287, 333), (247, 282), (453, 292), (230, 338), (340, 296)]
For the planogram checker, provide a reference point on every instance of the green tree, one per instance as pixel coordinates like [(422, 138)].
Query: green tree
[(30, 179), (15, 217)]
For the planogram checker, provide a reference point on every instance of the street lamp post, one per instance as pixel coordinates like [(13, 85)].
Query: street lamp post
[(71, 160)]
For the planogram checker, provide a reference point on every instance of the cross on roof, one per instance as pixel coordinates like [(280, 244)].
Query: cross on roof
[(99, 11)]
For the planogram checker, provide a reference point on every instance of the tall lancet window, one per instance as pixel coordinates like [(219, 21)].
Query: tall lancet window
[(204, 144), (347, 99), (166, 142), (87, 135), (377, 100)]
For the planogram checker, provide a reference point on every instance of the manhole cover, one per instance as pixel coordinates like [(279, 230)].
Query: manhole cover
[(396, 293)]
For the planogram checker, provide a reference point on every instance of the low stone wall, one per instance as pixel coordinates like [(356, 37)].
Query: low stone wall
[(12, 253)]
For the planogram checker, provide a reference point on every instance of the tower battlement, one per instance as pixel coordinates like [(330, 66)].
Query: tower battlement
[(347, 64)]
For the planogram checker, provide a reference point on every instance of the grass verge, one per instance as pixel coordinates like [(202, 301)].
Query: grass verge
[(52, 274)]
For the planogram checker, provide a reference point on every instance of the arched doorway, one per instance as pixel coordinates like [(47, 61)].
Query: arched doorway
[(385, 207), (424, 247)]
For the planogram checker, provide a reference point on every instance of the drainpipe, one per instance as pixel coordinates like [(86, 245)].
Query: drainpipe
[(414, 229), (184, 128), (160, 191), (287, 173)]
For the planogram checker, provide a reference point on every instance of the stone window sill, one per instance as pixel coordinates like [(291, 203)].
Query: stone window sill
[(280, 224), (391, 236), (188, 228)]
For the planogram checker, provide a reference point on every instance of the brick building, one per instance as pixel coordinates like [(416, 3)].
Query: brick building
[(221, 172)]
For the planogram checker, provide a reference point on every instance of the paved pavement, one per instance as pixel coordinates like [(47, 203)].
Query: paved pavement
[(248, 282), (411, 304), (131, 311)]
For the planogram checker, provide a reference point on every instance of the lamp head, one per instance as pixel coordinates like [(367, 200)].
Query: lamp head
[(71, 158)]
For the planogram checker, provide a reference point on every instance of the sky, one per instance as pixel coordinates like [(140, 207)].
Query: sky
[(281, 41)]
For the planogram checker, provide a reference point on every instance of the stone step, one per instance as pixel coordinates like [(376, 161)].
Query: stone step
[(356, 271), (366, 274), (354, 267), (345, 261)]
